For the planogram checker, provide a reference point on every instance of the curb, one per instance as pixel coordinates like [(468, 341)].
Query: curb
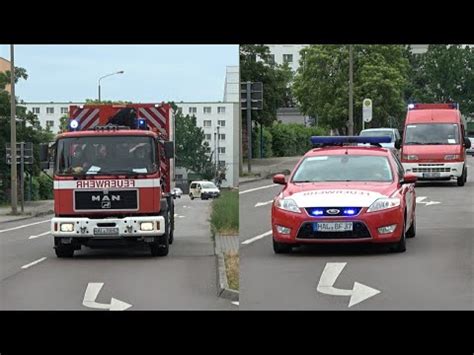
[(223, 289), (34, 215)]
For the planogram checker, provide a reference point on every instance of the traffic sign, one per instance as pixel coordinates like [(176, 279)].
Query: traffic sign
[(367, 110)]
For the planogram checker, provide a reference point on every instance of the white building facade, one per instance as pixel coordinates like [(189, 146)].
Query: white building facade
[(50, 113), (286, 53)]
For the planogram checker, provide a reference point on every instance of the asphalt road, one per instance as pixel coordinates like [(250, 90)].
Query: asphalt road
[(33, 278), (435, 273)]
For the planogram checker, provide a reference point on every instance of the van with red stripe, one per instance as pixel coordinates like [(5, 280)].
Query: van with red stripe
[(434, 142), (112, 178)]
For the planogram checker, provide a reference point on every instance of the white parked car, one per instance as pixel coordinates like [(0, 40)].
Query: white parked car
[(376, 132), (203, 190), (177, 192), (470, 151)]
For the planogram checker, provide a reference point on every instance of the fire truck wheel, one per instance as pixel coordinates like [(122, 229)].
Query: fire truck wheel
[(64, 251), (161, 246), (171, 231), (462, 179)]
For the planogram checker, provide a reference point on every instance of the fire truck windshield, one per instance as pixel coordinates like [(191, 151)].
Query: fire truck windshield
[(104, 155)]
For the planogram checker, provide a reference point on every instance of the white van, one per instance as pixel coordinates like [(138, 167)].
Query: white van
[(203, 190)]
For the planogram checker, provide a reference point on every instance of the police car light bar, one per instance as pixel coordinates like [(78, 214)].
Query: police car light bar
[(340, 140)]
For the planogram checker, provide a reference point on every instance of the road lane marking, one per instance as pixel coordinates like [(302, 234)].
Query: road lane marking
[(254, 239), (39, 235), (259, 204), (359, 292), (257, 188), (23, 226), (33, 263), (235, 303), (92, 291)]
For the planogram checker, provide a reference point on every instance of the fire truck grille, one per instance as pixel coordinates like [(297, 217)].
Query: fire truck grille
[(431, 170), (106, 200)]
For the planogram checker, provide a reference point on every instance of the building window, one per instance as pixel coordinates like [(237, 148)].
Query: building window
[(222, 136), (221, 123), (35, 110), (207, 109), (222, 163), (222, 150), (49, 123), (287, 58), (49, 110), (64, 110), (271, 59), (221, 110), (192, 110), (179, 111), (207, 136), (207, 123)]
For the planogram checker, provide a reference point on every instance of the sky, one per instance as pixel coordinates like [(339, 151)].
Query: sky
[(152, 73)]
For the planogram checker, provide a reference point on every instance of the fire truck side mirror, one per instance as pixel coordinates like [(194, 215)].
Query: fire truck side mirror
[(44, 153), (169, 149)]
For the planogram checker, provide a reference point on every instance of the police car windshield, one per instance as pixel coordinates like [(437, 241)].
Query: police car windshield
[(131, 155), (208, 185), (432, 133), (343, 168), (377, 133)]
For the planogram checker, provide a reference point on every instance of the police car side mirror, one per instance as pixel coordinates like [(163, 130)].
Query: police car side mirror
[(279, 179), (467, 142), (409, 179)]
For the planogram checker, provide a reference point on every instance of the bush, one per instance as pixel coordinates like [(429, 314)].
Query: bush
[(267, 143), (35, 186), (292, 139), (45, 187)]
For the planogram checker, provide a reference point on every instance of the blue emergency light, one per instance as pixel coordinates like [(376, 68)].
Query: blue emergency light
[(141, 123), (340, 140)]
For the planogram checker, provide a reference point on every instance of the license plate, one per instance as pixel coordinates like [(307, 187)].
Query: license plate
[(106, 231), (431, 175), (332, 226)]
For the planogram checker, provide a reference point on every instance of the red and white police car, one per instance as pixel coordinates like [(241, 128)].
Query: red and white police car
[(341, 192)]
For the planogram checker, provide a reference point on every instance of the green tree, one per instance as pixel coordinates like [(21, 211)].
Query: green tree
[(321, 84), (256, 65), (443, 74), (192, 150)]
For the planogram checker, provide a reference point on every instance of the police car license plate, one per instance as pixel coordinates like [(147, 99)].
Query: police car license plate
[(332, 226), (106, 231)]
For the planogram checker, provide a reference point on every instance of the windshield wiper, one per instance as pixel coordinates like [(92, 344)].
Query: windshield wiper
[(414, 143), (302, 181)]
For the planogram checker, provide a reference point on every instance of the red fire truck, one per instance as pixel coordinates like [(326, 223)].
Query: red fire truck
[(112, 178)]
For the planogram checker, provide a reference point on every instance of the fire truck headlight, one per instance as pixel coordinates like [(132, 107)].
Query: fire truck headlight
[(67, 227), (146, 226)]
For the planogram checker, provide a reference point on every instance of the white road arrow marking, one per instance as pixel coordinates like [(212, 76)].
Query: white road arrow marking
[(421, 199), (235, 303), (329, 276), (93, 289), (258, 204), (254, 239), (39, 235)]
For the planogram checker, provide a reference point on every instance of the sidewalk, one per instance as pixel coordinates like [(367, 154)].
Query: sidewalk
[(32, 209), (265, 168)]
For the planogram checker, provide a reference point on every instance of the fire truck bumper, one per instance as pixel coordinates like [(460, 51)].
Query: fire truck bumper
[(128, 227)]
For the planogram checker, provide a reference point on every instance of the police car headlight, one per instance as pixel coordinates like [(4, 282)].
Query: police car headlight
[(67, 227), (383, 204), (287, 204)]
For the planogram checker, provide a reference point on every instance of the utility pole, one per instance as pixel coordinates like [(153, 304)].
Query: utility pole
[(13, 168), (351, 94), (217, 158), (249, 126)]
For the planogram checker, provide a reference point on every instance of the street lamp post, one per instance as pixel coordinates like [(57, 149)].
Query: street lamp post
[(13, 167), (102, 77)]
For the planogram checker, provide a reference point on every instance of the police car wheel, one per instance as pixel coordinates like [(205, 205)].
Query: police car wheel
[(281, 248), (411, 233), (400, 247), (64, 251), (191, 196)]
